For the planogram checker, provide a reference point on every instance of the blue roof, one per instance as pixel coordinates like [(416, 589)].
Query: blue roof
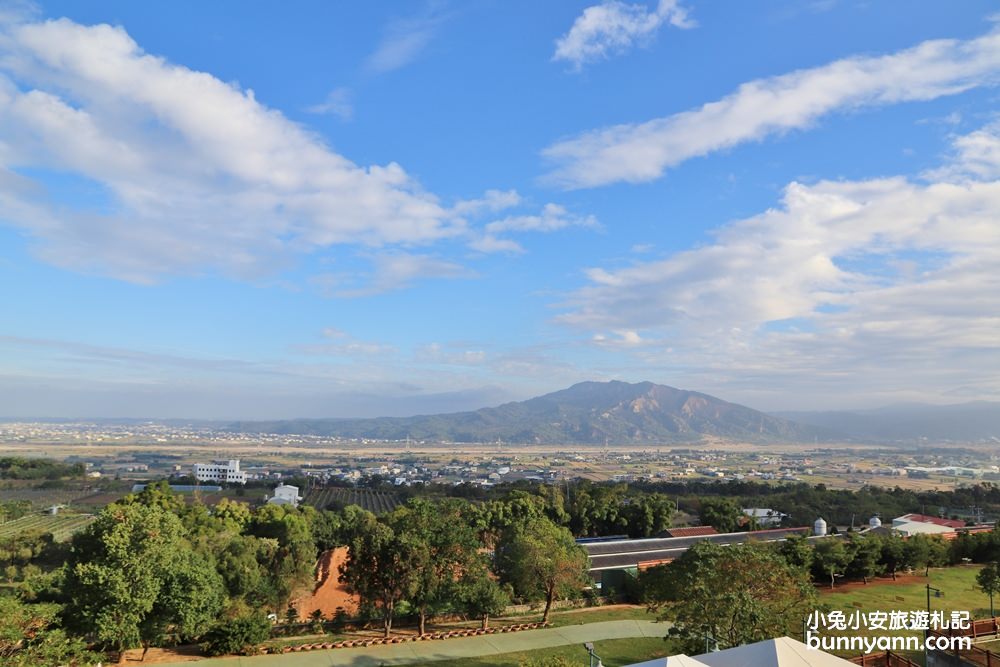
[(183, 488)]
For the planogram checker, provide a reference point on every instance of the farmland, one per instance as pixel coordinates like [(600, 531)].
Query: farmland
[(376, 502), (40, 495), (61, 526)]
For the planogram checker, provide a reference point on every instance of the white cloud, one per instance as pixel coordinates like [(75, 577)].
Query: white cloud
[(338, 102), (552, 217), (490, 244), (757, 109), (492, 201), (977, 154), (346, 346), (613, 27), (404, 40), (390, 271), (878, 287), (187, 173), (451, 355)]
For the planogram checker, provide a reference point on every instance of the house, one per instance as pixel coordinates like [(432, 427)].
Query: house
[(285, 494), (220, 471), (778, 652)]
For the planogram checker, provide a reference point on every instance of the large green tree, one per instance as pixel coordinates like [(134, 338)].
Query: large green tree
[(830, 558), (723, 514), (866, 553), (893, 555), (444, 547), (988, 581), (733, 595), (132, 578), (381, 568), (542, 562)]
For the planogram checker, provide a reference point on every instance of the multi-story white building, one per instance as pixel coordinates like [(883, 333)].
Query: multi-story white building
[(220, 471)]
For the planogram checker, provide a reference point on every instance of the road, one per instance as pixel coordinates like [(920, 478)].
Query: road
[(412, 653)]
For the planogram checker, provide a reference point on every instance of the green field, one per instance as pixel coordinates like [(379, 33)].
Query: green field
[(376, 502), (62, 526), (613, 653)]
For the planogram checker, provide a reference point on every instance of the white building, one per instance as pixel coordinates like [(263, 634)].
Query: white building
[(778, 652), (220, 471), (285, 494)]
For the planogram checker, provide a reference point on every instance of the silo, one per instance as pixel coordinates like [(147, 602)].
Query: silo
[(819, 528)]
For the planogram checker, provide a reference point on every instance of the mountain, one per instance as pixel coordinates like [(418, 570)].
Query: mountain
[(962, 422), (586, 413)]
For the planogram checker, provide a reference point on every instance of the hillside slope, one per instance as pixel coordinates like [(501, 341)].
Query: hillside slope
[(587, 413)]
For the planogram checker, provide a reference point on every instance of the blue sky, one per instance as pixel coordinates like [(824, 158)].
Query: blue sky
[(243, 210)]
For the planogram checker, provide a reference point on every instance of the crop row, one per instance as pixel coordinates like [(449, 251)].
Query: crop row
[(61, 526), (376, 502)]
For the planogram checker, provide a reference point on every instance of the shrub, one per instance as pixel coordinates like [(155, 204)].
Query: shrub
[(238, 635)]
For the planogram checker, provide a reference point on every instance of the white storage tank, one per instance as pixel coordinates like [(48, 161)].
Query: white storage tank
[(874, 522), (819, 528)]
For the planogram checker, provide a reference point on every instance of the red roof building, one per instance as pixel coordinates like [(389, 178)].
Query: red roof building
[(924, 518), (694, 531)]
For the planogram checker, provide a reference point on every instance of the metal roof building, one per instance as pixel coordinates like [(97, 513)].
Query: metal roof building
[(610, 560)]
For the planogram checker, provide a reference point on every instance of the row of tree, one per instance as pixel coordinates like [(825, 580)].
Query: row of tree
[(724, 596), (153, 569), (430, 558)]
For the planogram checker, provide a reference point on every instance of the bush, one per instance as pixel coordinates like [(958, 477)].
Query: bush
[(239, 635)]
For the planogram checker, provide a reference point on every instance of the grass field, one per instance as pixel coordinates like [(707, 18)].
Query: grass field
[(910, 593), (613, 653), (62, 526)]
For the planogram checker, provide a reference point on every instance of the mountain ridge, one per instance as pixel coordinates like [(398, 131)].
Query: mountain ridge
[(585, 413)]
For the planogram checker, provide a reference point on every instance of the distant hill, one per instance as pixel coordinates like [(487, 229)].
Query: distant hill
[(586, 413), (963, 422)]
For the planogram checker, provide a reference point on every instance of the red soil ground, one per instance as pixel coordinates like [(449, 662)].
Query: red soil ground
[(329, 593)]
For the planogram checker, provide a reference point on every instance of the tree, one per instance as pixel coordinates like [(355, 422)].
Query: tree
[(830, 558), (316, 621), (927, 551), (191, 596), (379, 568), (797, 552), (865, 553), (293, 563), (443, 547), (722, 514), (481, 595), (542, 561), (988, 581), (233, 512), (734, 594), (649, 514), (893, 554), (30, 637), (133, 579)]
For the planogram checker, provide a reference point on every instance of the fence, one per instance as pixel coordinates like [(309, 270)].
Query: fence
[(884, 659), (984, 627)]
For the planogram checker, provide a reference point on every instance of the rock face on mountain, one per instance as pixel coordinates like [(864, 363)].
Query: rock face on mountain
[(586, 413)]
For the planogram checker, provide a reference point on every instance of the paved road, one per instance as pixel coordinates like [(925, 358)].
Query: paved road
[(448, 649)]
